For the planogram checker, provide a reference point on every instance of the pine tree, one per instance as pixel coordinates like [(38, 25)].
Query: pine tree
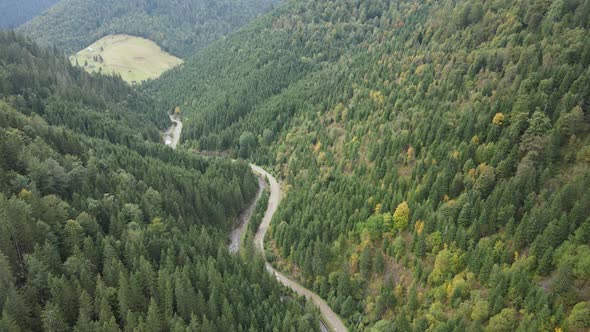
[(185, 296), (123, 294), (6, 279), (153, 319), (53, 319), (7, 323), (365, 261), (86, 312), (15, 308)]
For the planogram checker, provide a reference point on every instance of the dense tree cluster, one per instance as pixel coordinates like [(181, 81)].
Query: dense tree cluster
[(179, 27), (103, 228), (227, 81), (13, 13), (436, 154)]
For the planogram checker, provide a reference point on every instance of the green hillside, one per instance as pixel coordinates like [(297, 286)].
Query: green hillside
[(180, 27), (436, 154), (103, 228)]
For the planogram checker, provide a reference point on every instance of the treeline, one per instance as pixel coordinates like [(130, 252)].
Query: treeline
[(179, 27), (436, 154), (13, 13), (98, 235)]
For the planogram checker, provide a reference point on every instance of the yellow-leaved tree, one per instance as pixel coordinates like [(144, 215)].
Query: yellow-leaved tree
[(499, 119), (401, 216)]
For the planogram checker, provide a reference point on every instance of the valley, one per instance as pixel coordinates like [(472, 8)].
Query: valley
[(426, 149), (143, 225), (295, 165), (330, 320)]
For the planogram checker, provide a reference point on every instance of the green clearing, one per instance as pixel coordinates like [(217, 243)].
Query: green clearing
[(134, 58)]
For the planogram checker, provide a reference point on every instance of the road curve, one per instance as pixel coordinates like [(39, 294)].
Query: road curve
[(328, 316), (172, 135)]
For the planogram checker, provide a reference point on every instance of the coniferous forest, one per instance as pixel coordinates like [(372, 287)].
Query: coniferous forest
[(102, 227), (179, 27), (13, 13), (436, 154), (434, 160)]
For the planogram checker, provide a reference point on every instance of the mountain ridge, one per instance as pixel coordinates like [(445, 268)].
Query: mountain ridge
[(180, 28)]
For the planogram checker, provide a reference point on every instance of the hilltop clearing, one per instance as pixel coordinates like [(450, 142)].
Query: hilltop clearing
[(136, 59)]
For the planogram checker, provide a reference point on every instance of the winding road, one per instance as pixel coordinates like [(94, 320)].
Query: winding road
[(330, 321), (172, 135), (329, 317)]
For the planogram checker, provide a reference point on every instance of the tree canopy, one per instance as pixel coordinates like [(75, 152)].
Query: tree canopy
[(179, 27), (103, 228), (463, 110)]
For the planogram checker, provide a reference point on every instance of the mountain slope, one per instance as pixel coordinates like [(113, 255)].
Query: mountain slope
[(102, 227), (435, 154), (13, 13), (179, 27)]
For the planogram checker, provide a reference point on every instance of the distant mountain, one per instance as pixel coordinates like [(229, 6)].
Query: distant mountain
[(179, 27), (13, 13), (436, 154)]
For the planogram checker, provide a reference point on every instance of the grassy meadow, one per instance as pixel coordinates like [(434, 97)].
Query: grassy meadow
[(134, 58)]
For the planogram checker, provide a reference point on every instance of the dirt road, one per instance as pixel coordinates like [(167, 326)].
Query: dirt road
[(172, 135), (330, 320), (329, 317)]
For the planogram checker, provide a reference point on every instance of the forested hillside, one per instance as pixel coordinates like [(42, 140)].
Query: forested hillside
[(179, 27), (103, 228), (13, 13), (436, 154)]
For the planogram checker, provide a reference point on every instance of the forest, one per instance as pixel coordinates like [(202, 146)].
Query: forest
[(179, 27), (436, 154), (103, 228), (13, 13)]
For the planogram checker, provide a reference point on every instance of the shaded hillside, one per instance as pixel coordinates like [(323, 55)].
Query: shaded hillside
[(436, 154), (13, 13), (104, 228), (179, 27)]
